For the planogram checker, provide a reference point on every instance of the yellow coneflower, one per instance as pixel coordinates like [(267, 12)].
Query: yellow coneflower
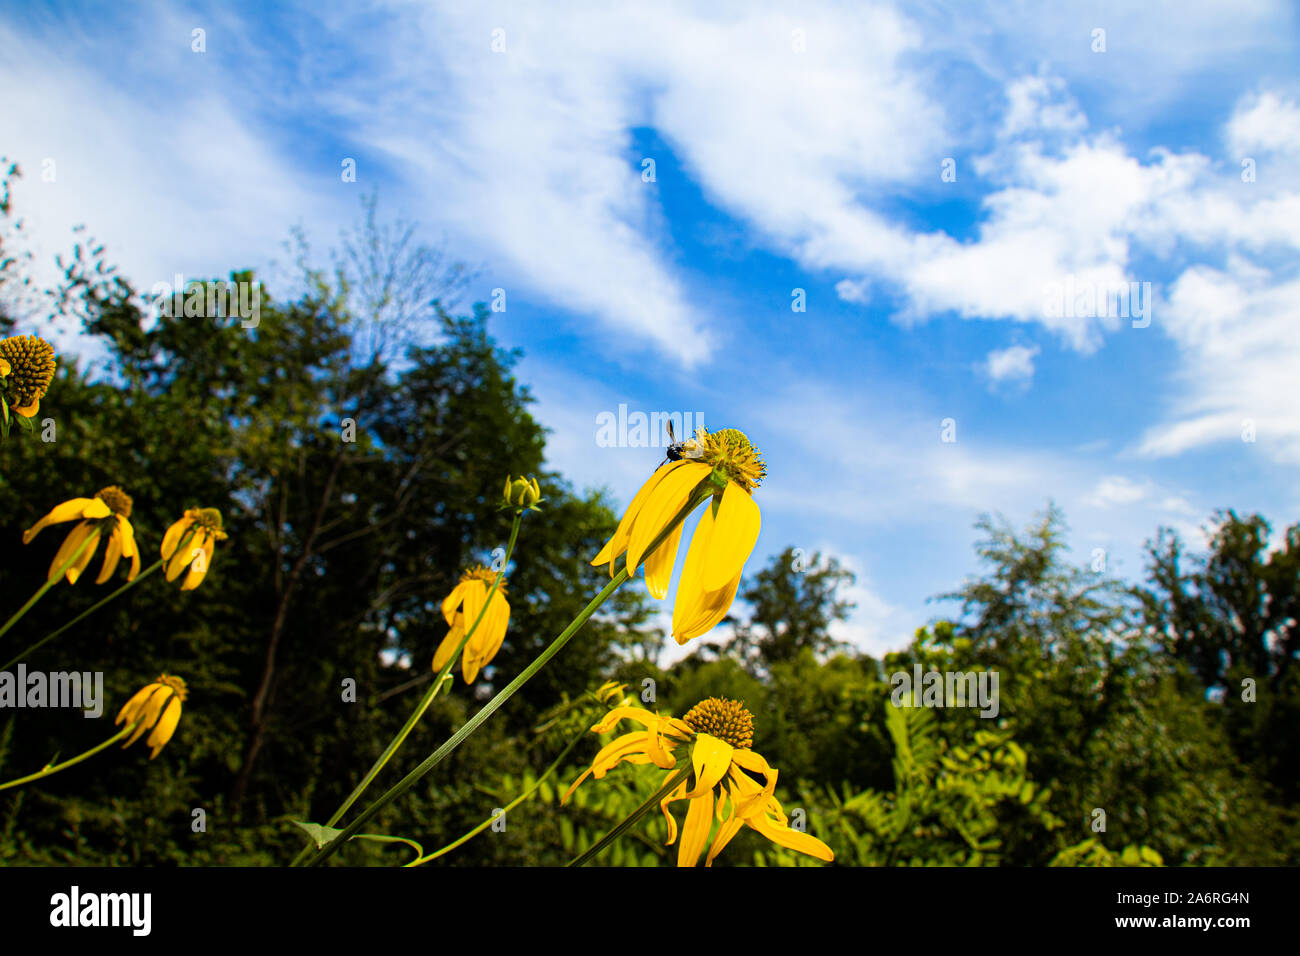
[(728, 781), (206, 524), (108, 512), (26, 369), (159, 704), (461, 609), (723, 540)]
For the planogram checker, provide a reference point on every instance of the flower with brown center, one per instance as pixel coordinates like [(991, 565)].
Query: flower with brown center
[(26, 369), (205, 525), (728, 781), (157, 705), (109, 512), (724, 538), (461, 609)]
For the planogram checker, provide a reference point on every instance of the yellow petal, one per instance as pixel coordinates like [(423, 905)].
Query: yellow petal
[(661, 507), (165, 727), (730, 827), (735, 533), (195, 577), (83, 532), (639, 714), (695, 831), (172, 539), (111, 556), (711, 759), (68, 511), (475, 596), (453, 601), (147, 713), (131, 709), (691, 621), (678, 794), (618, 750), (443, 654), (792, 839), (659, 566), (618, 543)]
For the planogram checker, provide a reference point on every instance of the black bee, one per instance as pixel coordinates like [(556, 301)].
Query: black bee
[(678, 450)]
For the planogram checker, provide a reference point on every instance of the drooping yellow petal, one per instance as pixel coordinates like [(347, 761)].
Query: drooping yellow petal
[(642, 716), (165, 727), (132, 708), (622, 535), (711, 759), (178, 562), (84, 532), (453, 601), (147, 712), (475, 596), (613, 753), (678, 794), (695, 831), (111, 556), (659, 566), (496, 621), (729, 828), (443, 654), (661, 507), (172, 539), (68, 511), (735, 533), (198, 568), (791, 839)]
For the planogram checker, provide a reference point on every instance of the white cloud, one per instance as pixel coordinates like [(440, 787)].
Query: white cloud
[(1118, 490), (1015, 363), (183, 183), (1266, 123), (1238, 331)]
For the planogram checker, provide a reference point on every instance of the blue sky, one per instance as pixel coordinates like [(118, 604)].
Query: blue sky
[(795, 147)]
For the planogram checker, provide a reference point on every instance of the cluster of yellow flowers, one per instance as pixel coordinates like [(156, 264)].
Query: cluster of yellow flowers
[(723, 777), (108, 514), (707, 754)]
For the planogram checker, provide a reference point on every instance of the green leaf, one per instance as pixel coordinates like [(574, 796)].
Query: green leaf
[(322, 835)]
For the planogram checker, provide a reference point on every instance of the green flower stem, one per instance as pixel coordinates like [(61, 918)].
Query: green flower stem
[(411, 779), (84, 614), (437, 682), (429, 695), (674, 781), (510, 806), (55, 768), (91, 539), (189, 535)]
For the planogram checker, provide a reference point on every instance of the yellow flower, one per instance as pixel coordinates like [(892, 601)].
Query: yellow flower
[(27, 370), (723, 540), (206, 524), (109, 511), (729, 782), (460, 609), (159, 704)]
